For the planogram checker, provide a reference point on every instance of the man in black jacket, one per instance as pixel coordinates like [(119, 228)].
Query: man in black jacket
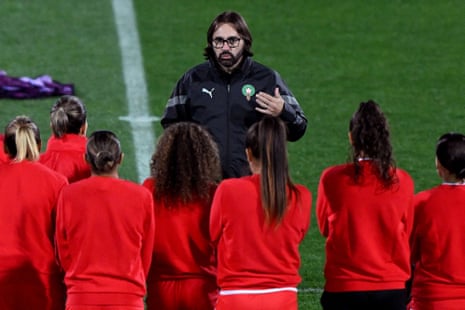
[(230, 91)]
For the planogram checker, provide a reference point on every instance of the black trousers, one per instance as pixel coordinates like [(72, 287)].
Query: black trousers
[(376, 300)]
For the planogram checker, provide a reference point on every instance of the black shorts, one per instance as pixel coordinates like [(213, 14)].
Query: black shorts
[(376, 300)]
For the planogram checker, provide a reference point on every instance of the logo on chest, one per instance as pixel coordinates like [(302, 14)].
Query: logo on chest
[(248, 91), (208, 92)]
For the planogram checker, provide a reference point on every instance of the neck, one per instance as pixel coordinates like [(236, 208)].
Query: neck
[(255, 167), (453, 181), (112, 174)]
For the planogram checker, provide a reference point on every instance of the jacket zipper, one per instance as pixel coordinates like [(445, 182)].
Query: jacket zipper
[(228, 116)]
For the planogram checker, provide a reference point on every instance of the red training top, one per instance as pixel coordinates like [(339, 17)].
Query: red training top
[(66, 156), (3, 156), (183, 247), (367, 228), (105, 233), (438, 244), (29, 275), (251, 253)]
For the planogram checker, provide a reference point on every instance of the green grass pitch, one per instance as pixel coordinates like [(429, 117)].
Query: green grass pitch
[(406, 55)]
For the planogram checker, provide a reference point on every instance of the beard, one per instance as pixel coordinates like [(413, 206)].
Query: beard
[(228, 60)]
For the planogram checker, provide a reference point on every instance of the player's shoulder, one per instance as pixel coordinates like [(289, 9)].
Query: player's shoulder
[(303, 189), (304, 192), (422, 196), (403, 175), (47, 173), (133, 186), (238, 184), (336, 170)]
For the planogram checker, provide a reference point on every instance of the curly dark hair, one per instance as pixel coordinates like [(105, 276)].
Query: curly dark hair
[(186, 165), (370, 136)]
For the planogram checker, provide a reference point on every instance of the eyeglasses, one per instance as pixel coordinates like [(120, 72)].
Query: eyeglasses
[(231, 41)]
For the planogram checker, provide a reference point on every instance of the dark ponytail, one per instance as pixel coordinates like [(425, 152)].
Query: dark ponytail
[(267, 142), (103, 151), (370, 135)]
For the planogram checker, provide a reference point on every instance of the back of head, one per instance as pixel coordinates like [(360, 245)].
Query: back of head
[(185, 164), (67, 115), (103, 152), (450, 152), (370, 139), (267, 142), (22, 139), (239, 23)]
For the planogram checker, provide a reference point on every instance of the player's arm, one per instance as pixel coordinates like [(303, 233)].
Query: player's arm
[(61, 241), (149, 235), (322, 209), (216, 225)]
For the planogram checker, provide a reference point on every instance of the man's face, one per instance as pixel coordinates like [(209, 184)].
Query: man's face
[(228, 47)]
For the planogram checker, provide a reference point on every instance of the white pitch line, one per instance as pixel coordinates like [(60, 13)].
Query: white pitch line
[(310, 290), (136, 88)]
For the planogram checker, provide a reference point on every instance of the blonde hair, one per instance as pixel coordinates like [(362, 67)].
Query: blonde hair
[(22, 139)]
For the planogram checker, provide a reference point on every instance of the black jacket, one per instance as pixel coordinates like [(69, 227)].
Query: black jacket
[(208, 96)]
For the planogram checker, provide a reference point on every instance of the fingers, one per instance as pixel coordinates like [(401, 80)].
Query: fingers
[(276, 92), (263, 102), (268, 104)]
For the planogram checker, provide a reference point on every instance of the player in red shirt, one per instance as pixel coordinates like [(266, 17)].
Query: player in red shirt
[(438, 243), (3, 156), (185, 171), (105, 232), (29, 275), (67, 146), (258, 222), (365, 211)]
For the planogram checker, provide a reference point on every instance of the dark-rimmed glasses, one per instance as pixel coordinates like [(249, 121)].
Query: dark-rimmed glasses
[(218, 42)]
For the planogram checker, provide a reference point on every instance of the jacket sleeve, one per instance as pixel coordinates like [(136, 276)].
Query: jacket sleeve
[(176, 109), (292, 113)]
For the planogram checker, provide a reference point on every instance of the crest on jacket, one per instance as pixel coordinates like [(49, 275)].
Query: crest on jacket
[(248, 91)]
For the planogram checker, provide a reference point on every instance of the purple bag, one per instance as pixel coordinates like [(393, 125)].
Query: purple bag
[(30, 88)]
